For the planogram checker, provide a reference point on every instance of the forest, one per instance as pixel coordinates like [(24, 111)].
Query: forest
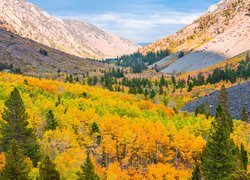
[(137, 61), (56, 130)]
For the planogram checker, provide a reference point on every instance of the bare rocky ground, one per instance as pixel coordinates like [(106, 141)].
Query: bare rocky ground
[(24, 54), (239, 97)]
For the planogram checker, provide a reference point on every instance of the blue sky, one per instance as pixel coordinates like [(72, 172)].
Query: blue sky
[(137, 20)]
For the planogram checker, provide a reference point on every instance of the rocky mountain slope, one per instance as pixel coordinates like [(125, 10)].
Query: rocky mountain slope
[(39, 60), (237, 95), (73, 37), (223, 32)]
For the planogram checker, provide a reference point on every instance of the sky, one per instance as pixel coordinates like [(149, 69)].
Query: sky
[(141, 21)]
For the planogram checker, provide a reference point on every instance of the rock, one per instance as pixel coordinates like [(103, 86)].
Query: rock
[(239, 97)]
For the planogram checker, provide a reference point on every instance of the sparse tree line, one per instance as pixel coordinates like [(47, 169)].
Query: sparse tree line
[(227, 74), (10, 67), (115, 80)]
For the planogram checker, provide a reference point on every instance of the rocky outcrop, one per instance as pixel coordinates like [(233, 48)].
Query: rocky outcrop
[(73, 37), (239, 97)]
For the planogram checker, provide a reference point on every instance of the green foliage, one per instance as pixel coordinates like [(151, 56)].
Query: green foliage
[(243, 157), (10, 67), (203, 109), (223, 98), (88, 172), (244, 115), (196, 175), (95, 131), (51, 121), (137, 61), (217, 75), (15, 168), (218, 157), (47, 170), (94, 128), (16, 128), (25, 82)]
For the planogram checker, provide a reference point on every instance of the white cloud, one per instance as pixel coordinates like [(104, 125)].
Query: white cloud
[(145, 27)]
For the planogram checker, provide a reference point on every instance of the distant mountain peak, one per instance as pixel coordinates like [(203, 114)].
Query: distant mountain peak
[(71, 36)]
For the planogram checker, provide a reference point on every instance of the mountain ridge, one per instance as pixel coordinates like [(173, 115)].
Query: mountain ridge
[(31, 22), (219, 34)]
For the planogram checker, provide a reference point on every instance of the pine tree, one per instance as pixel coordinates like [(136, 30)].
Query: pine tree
[(145, 94), (87, 172), (162, 81), (243, 157), (16, 128), (197, 111), (51, 121), (196, 175), (161, 91), (218, 160), (94, 128), (190, 87), (25, 82), (223, 99), (244, 115), (71, 79), (67, 78), (95, 132), (47, 170), (15, 167)]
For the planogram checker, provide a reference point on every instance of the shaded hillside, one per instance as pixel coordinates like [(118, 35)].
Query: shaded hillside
[(73, 37), (238, 98), (36, 59), (230, 63)]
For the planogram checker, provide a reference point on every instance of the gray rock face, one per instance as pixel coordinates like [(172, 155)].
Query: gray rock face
[(73, 37), (239, 97)]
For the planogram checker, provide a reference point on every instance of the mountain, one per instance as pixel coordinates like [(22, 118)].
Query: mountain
[(143, 44), (71, 36), (39, 60), (221, 33)]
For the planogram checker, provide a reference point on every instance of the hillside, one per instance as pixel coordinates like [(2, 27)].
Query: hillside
[(73, 37), (231, 63), (25, 54), (128, 129), (237, 95), (221, 33)]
